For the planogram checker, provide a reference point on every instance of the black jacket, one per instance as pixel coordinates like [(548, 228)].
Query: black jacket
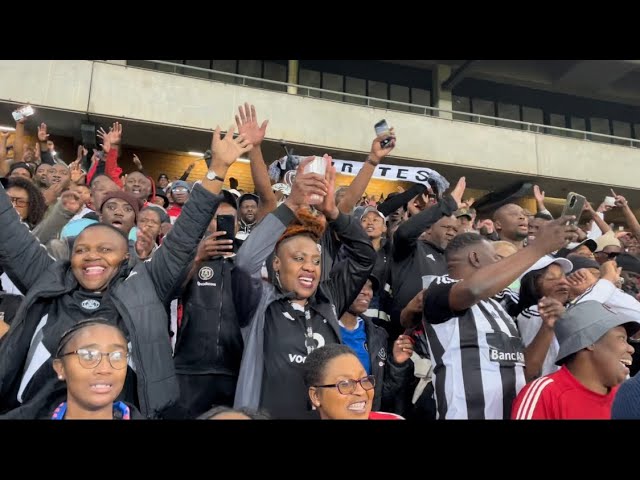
[(209, 339), (253, 295), (391, 378), (141, 299), (413, 258)]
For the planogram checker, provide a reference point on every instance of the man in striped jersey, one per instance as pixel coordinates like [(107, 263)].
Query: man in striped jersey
[(474, 344), (594, 357)]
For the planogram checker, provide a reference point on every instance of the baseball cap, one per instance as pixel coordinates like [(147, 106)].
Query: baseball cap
[(628, 262), (547, 260), (607, 240), (180, 183), (586, 323), (464, 212), (369, 210), (589, 243), (583, 262)]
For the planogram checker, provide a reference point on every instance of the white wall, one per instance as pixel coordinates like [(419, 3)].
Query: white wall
[(125, 92)]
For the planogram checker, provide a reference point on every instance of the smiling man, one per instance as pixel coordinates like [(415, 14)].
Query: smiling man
[(594, 357)]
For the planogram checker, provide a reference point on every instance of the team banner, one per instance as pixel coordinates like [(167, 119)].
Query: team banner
[(279, 168)]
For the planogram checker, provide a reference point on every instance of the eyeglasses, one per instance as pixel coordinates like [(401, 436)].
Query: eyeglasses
[(91, 358), (610, 255), (19, 202), (180, 190), (347, 387)]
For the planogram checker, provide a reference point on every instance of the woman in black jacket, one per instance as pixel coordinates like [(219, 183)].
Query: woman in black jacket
[(283, 322), (99, 282)]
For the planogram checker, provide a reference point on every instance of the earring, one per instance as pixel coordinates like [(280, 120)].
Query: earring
[(60, 377), (278, 279)]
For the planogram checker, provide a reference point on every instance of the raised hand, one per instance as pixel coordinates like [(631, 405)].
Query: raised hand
[(402, 349), (580, 280), (144, 244), (328, 205), (51, 194), (115, 134), (137, 162), (458, 191), (248, 127), (105, 138), (43, 136), (71, 201), (224, 152), (305, 185), (555, 234), (377, 152), (76, 172), (621, 202), (212, 246), (550, 311), (538, 195)]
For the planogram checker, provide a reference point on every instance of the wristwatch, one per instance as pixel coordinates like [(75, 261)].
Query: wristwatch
[(211, 175)]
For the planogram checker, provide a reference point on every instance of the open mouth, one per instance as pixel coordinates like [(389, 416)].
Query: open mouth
[(94, 271), (306, 282), (101, 387), (117, 224), (358, 407), (626, 363)]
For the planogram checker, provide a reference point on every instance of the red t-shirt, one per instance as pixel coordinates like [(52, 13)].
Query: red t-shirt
[(560, 396), (384, 416)]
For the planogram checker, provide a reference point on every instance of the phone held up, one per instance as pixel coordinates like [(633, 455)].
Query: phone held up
[(382, 128), (573, 206), (23, 112), (226, 223)]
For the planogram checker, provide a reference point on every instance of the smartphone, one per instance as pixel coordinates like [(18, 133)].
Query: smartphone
[(23, 112), (382, 128), (226, 223), (573, 206)]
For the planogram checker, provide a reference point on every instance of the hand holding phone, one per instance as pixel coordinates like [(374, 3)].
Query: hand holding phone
[(226, 223), (574, 206), (22, 113), (382, 129)]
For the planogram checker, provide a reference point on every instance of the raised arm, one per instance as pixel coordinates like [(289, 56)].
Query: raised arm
[(247, 122), (405, 238), (18, 141), (349, 276), (45, 154), (179, 247), (359, 184), (62, 211), (4, 165), (599, 221), (259, 245), (631, 219), (22, 257), (487, 281)]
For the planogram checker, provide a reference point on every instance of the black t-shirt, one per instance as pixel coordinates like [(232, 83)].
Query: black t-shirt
[(284, 394)]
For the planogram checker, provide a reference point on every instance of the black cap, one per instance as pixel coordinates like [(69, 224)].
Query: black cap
[(628, 262), (580, 262)]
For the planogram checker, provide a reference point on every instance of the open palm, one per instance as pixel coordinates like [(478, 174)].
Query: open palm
[(247, 122), (228, 149)]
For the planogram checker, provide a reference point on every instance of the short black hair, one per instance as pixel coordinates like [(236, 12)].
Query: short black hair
[(220, 409), (316, 362), (102, 225), (462, 241), (68, 335)]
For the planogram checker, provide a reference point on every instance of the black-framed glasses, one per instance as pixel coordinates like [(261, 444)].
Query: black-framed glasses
[(90, 358), (19, 202), (347, 387), (610, 255)]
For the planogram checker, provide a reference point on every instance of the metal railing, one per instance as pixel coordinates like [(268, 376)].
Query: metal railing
[(411, 108)]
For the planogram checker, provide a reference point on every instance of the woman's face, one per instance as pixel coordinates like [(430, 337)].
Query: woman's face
[(333, 405), (97, 256), (298, 264), (92, 388), (553, 283), (20, 200)]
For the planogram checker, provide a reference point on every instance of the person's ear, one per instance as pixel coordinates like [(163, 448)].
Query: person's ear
[(59, 368), (497, 226), (474, 259), (313, 396), (591, 347), (276, 263)]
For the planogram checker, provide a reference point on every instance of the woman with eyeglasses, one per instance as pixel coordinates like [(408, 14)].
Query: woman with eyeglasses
[(26, 200), (339, 387), (98, 281), (91, 358), (282, 322)]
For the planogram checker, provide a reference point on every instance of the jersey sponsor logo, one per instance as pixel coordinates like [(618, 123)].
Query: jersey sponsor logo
[(205, 273), (316, 341), (505, 350), (206, 284), (293, 358), (90, 304)]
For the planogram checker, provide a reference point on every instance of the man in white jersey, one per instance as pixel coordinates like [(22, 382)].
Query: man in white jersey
[(474, 343)]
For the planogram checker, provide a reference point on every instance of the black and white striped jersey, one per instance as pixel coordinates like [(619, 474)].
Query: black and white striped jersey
[(477, 353)]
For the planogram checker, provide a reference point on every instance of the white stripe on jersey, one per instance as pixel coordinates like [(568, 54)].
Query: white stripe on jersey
[(530, 400), (529, 323)]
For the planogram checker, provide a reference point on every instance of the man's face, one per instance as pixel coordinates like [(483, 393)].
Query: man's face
[(149, 222), (248, 211), (611, 356), (610, 252), (180, 195), (21, 172), (163, 182), (138, 185), (443, 231), (534, 226), (511, 223), (42, 173), (58, 174), (118, 213), (99, 188), (362, 301), (464, 224)]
